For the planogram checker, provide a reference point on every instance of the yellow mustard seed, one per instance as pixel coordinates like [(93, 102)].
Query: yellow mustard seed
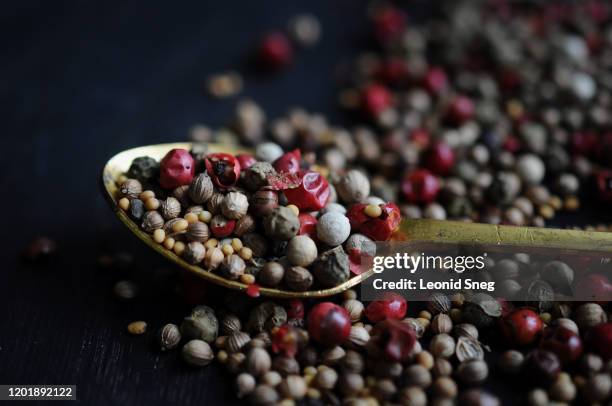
[(247, 279), (159, 235), (205, 216), (236, 244), (124, 204), (179, 248), (227, 249), (294, 209), (246, 253), (180, 225), (137, 327), (151, 204), (146, 195), (169, 243), (191, 218), (372, 210), (211, 243)]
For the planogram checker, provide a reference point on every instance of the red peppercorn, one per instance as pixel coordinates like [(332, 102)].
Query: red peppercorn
[(329, 324), (420, 186), (308, 225), (566, 344), (397, 338), (435, 80), (461, 110), (393, 71), (285, 341), (389, 23), (245, 161), (295, 309), (275, 51), (541, 367), (312, 193), (420, 137), (604, 185), (392, 306), (584, 143), (380, 228), (593, 287), (221, 227), (253, 290), (223, 169), (599, 340), (440, 158), (521, 327), (289, 162), (176, 169), (512, 144), (375, 99)]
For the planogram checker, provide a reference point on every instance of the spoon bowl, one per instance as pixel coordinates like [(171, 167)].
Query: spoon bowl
[(418, 231)]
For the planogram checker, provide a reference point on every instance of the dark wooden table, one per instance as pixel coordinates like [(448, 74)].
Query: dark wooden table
[(79, 82)]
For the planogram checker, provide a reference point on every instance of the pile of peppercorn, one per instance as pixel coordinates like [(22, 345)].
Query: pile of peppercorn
[(272, 218)]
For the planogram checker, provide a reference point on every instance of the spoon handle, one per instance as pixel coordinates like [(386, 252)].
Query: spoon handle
[(456, 232)]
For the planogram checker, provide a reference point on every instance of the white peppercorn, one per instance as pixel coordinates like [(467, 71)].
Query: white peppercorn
[(268, 152), (293, 387), (442, 345), (333, 228), (232, 267), (245, 384), (530, 169), (258, 361), (234, 205), (354, 308), (197, 353), (353, 187), (194, 252), (301, 250), (417, 375), (351, 383), (326, 378), (264, 395)]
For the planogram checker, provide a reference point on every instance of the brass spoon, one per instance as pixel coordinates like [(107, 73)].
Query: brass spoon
[(420, 231)]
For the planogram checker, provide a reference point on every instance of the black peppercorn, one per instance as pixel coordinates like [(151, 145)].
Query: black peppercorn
[(137, 209), (144, 168)]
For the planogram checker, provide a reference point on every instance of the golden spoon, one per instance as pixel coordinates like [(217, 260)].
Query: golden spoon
[(418, 231)]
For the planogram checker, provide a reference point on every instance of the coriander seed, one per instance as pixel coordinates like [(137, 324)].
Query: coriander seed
[(137, 327), (197, 353), (234, 205), (170, 208)]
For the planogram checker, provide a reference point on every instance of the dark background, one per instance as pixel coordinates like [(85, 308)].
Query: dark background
[(79, 82)]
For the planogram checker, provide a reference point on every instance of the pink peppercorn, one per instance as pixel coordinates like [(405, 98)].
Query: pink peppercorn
[(420, 186), (329, 324), (375, 99), (389, 23), (176, 169), (435, 80), (289, 162), (461, 110), (275, 51), (312, 194), (440, 159), (245, 161)]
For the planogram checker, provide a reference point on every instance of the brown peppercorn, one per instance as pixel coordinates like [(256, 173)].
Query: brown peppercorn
[(257, 243), (169, 337), (298, 278), (352, 362), (281, 224), (194, 252), (181, 193), (442, 367), (264, 395), (234, 205), (170, 208), (230, 323), (131, 189), (201, 188), (413, 396), (245, 225), (152, 221), (245, 384), (214, 203), (589, 315), (271, 274), (263, 202), (232, 267), (256, 176), (236, 341), (351, 383), (197, 232), (439, 303)]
